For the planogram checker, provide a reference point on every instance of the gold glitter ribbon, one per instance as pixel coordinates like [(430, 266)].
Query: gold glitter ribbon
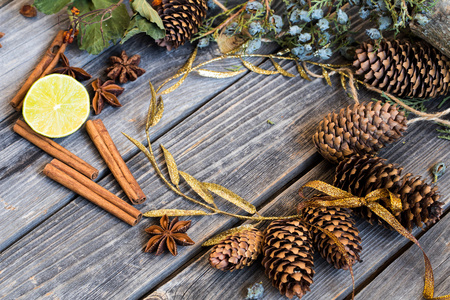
[(341, 198)]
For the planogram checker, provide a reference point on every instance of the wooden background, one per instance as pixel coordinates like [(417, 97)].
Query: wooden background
[(56, 245)]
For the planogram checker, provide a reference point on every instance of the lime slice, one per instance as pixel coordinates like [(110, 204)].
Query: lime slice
[(56, 106)]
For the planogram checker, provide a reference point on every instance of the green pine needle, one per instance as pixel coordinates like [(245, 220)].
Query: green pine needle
[(443, 101), (444, 137)]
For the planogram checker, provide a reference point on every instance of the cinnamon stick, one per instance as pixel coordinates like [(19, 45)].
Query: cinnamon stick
[(105, 145), (54, 149), (54, 61), (93, 192), (50, 54)]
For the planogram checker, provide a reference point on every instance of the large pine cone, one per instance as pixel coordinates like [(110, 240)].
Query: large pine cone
[(288, 257), (362, 175), (181, 19), (237, 250), (405, 69), (359, 129), (339, 222)]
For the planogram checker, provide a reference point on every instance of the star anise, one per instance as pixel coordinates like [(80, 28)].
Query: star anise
[(125, 68), (77, 73), (168, 236), (105, 92)]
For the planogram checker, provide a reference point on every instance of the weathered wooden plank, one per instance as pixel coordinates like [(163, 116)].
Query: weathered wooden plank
[(16, 154), (408, 269), (227, 141), (379, 244)]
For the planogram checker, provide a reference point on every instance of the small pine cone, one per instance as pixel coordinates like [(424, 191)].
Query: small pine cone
[(237, 250), (339, 222), (288, 257), (405, 69), (359, 129), (362, 175), (181, 19)]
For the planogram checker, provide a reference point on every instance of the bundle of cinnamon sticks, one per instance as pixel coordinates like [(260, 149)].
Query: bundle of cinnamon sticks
[(76, 174), (76, 182), (44, 67)]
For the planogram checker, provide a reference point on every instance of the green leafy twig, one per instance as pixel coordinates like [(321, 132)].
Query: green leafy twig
[(443, 101), (100, 22), (445, 130), (87, 19)]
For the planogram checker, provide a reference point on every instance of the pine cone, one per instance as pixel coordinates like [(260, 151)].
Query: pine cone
[(405, 69), (362, 175), (237, 250), (288, 257), (181, 19), (339, 222), (359, 129)]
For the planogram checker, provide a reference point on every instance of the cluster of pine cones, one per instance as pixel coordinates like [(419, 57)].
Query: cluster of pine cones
[(288, 247), (351, 138)]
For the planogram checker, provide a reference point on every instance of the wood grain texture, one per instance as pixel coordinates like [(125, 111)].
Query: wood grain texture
[(21, 163), (218, 139)]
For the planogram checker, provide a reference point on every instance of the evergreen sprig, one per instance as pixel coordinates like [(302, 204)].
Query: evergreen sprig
[(311, 28), (416, 103)]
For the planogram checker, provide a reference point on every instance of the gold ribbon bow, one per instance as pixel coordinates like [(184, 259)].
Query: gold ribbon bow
[(341, 198)]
